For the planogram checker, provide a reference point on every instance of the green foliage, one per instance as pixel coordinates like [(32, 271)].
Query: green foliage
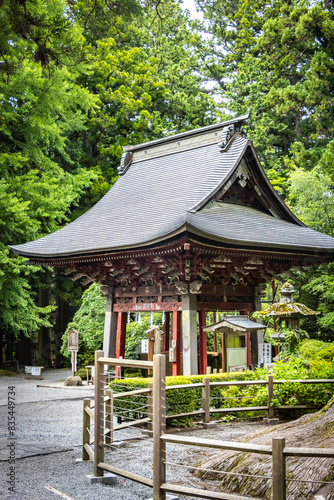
[(40, 182), (135, 332), (274, 60), (89, 322), (293, 339), (81, 372), (79, 80), (311, 199), (188, 400), (319, 286), (316, 349)]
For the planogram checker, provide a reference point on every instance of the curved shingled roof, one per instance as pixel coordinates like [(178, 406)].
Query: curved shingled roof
[(165, 188)]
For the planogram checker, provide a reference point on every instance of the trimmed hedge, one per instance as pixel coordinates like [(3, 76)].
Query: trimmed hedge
[(189, 400)]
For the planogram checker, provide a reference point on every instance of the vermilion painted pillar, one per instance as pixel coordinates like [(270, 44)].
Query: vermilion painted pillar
[(165, 334), (177, 338), (120, 343), (203, 355), (249, 350)]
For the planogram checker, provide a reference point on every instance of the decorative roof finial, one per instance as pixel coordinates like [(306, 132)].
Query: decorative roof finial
[(126, 161), (228, 133)]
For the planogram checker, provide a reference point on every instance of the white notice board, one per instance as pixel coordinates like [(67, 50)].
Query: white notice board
[(144, 346), (264, 353)]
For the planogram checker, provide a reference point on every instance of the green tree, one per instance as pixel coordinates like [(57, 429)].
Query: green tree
[(311, 199), (275, 60), (40, 106)]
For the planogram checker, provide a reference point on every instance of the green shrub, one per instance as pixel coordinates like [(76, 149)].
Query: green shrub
[(310, 348), (81, 372), (326, 353)]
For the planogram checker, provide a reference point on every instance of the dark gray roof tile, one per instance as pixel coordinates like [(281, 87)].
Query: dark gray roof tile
[(154, 198)]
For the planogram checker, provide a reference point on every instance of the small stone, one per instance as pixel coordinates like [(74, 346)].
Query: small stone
[(72, 381)]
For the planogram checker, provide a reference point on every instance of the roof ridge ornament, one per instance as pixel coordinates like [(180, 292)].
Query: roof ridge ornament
[(126, 161), (229, 132)]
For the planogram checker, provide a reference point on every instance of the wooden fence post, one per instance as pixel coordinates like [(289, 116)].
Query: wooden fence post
[(86, 429), (206, 399), (278, 469), (159, 424), (99, 415), (150, 406), (270, 395), (109, 416)]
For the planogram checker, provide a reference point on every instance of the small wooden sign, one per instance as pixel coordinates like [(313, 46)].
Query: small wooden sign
[(73, 340)]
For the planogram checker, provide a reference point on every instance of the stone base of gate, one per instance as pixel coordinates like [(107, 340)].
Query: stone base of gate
[(208, 425), (271, 421), (106, 479), (117, 444)]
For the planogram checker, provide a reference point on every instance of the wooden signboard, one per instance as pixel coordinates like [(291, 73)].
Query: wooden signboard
[(73, 340), (73, 345)]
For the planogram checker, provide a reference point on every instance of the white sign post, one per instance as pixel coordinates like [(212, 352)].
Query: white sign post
[(73, 346)]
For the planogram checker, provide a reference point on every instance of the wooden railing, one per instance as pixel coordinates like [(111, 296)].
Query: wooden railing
[(207, 408), (102, 415), (103, 432)]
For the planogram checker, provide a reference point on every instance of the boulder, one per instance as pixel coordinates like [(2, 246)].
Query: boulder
[(72, 381)]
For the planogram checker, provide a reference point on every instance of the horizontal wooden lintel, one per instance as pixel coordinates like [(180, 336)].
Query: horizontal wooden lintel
[(147, 306)]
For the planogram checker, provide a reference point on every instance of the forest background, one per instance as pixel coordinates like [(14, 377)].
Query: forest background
[(81, 79)]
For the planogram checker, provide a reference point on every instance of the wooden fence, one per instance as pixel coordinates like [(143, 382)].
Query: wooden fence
[(270, 408), (103, 431)]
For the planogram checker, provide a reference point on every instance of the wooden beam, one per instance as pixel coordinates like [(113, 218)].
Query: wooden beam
[(147, 306), (216, 444), (225, 306)]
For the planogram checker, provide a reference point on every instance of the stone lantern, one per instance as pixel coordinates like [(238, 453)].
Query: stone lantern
[(288, 310)]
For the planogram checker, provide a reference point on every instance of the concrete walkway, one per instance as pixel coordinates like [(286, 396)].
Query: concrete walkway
[(15, 393), (48, 389)]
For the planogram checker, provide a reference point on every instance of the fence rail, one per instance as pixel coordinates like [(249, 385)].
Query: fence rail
[(103, 414)]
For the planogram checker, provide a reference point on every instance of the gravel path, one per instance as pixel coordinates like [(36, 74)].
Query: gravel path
[(53, 417)]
